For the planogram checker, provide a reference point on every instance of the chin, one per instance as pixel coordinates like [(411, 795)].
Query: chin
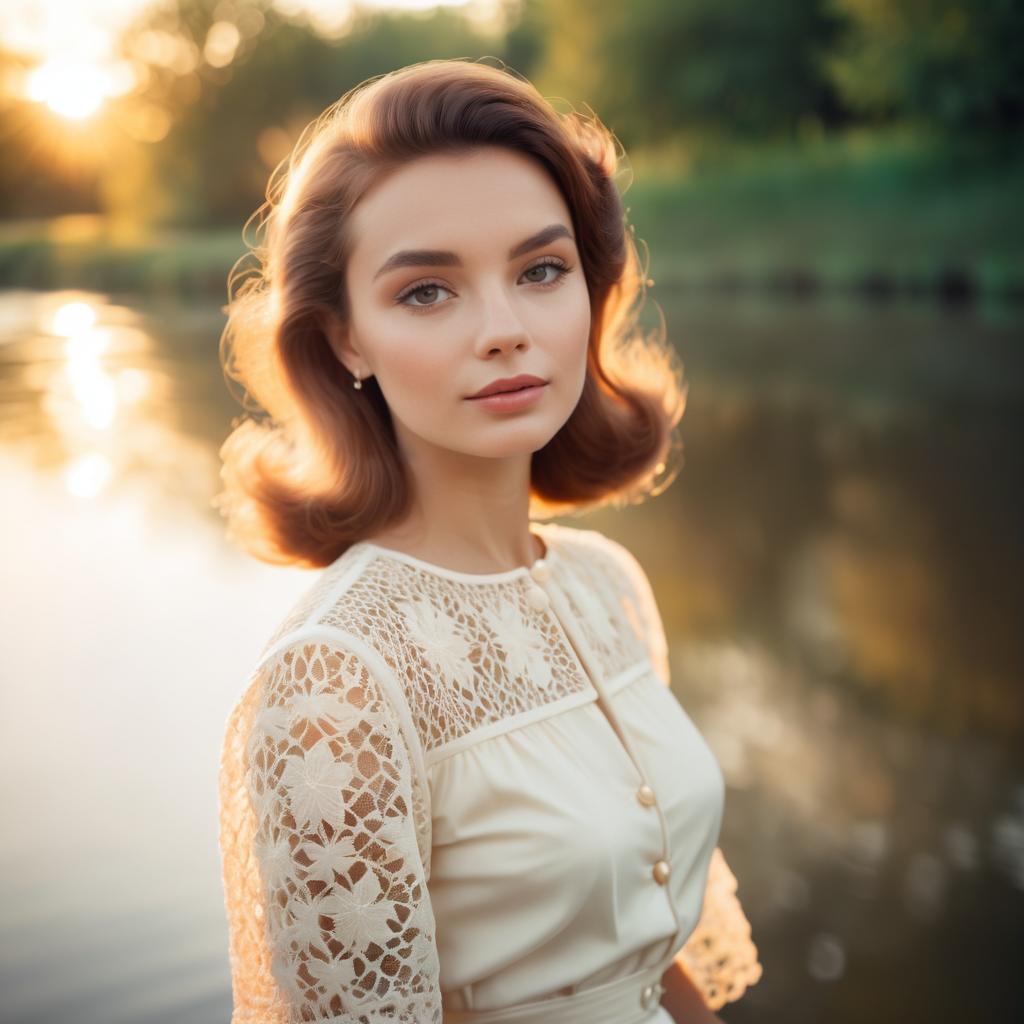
[(526, 444)]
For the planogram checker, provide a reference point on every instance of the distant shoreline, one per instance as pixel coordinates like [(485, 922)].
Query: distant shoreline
[(199, 267), (872, 216)]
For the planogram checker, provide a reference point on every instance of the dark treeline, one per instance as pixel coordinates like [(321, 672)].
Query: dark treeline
[(193, 145)]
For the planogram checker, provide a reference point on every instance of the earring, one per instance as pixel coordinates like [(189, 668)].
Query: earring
[(357, 383)]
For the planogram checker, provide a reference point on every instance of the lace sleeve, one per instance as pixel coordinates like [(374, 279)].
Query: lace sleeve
[(325, 884), (719, 956)]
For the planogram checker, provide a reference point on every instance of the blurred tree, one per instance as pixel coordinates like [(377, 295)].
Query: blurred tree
[(231, 123), (655, 68), (42, 169), (226, 86), (953, 64), (525, 40)]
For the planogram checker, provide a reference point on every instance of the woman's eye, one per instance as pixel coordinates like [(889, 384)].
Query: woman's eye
[(429, 289), (547, 266)]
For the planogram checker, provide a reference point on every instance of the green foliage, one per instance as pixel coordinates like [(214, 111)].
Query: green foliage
[(886, 206), (214, 165), (656, 68), (956, 65), (694, 82)]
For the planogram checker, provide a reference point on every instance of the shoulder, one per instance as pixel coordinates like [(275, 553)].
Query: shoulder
[(319, 645), (348, 628), (620, 570), (325, 590), (612, 555)]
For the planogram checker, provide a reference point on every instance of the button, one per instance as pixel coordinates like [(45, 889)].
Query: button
[(661, 871), (538, 600), (540, 571), (645, 795), (651, 995)]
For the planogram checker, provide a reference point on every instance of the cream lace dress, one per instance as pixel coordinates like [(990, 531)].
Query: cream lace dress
[(451, 797)]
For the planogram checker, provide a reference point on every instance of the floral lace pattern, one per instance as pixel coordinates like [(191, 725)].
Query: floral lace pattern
[(638, 603), (604, 612), (380, 670), (342, 900), (469, 654)]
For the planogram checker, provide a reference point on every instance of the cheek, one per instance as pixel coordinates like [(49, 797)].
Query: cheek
[(412, 365), (573, 335)]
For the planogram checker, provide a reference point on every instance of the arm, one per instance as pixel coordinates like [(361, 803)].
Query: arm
[(719, 958), (683, 999), (343, 920)]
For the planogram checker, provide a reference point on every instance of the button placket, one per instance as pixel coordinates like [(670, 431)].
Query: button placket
[(539, 599)]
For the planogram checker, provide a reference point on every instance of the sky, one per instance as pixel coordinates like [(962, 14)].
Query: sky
[(54, 28)]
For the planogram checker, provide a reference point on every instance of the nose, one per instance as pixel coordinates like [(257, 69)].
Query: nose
[(501, 328)]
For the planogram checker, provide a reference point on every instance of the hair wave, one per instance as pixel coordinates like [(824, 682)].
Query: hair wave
[(315, 466)]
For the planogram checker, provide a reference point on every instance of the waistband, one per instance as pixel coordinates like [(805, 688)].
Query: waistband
[(629, 1000)]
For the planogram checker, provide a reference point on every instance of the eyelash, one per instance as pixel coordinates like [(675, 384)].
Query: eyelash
[(549, 261)]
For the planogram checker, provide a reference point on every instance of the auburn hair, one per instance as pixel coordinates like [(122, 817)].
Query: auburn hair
[(316, 467)]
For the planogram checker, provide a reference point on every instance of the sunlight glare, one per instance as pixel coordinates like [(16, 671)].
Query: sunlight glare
[(221, 44), (72, 89), (87, 345), (133, 385), (88, 475), (91, 386), (96, 394), (72, 318)]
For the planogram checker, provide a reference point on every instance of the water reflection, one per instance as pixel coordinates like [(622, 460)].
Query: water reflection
[(126, 635), (91, 391), (838, 568)]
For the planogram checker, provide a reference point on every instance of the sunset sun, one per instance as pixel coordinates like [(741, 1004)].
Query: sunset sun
[(73, 90)]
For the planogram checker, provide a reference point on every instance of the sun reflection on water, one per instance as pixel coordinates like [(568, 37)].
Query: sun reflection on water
[(88, 475), (94, 398)]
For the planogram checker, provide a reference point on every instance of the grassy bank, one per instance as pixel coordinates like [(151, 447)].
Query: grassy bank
[(83, 251), (871, 213), (874, 214)]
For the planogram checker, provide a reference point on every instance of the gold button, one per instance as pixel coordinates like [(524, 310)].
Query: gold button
[(661, 871), (537, 599), (540, 570), (645, 795)]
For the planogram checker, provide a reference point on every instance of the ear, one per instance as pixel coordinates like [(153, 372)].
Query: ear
[(339, 337)]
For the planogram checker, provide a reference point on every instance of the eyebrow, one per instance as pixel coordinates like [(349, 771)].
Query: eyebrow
[(447, 258)]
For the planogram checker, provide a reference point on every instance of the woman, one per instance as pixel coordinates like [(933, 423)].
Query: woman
[(457, 786)]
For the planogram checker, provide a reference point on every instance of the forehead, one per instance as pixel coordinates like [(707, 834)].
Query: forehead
[(482, 200)]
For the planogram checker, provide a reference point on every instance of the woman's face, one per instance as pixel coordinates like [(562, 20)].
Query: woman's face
[(502, 294)]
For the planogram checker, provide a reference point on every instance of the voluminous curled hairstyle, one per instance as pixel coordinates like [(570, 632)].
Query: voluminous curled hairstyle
[(317, 466)]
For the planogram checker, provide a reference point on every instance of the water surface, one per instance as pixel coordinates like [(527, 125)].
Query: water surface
[(838, 565)]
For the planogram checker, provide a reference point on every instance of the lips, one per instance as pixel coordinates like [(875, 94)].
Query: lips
[(509, 384)]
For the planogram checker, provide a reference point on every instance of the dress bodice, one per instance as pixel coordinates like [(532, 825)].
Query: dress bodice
[(449, 793)]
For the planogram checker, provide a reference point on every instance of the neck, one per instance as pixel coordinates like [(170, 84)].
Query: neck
[(470, 514)]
